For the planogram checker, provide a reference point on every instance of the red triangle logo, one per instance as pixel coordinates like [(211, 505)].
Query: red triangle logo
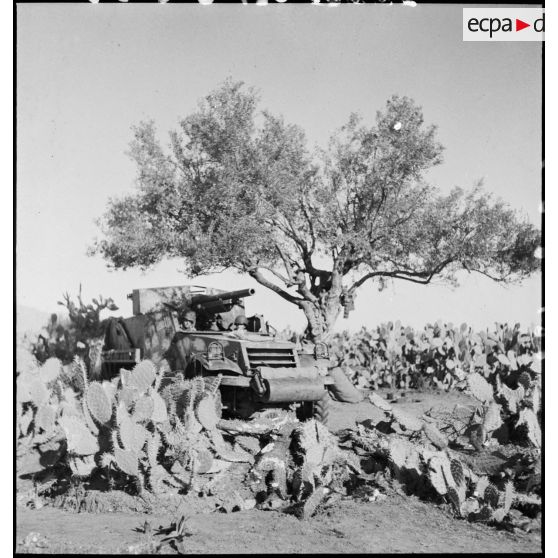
[(519, 25)]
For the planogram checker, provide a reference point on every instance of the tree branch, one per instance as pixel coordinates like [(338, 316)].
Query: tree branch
[(288, 266), (420, 277), (257, 275)]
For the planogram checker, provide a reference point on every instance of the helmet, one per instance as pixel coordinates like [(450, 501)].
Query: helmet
[(241, 320)]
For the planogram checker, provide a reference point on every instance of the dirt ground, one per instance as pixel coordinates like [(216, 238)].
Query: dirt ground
[(396, 524)]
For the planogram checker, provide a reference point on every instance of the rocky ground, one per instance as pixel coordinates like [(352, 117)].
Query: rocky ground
[(392, 523)]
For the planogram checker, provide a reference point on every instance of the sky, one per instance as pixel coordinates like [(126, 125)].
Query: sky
[(88, 72)]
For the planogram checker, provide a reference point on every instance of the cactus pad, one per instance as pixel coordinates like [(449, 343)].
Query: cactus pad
[(313, 501), (142, 376), (436, 474), (206, 412), (456, 499), (399, 451), (435, 436), (249, 443), (507, 497), (193, 426), (481, 486), (45, 418), (128, 395), (110, 391), (406, 420), (380, 402), (512, 396), (38, 392), (82, 466), (480, 389), (50, 370), (457, 472), (98, 403), (126, 461), (132, 435), (528, 420), (159, 408), (491, 496), (80, 440), (153, 446), (143, 408), (203, 460), (212, 384), (492, 417), (25, 361)]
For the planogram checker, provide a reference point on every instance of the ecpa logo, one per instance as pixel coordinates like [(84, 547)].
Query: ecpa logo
[(503, 24)]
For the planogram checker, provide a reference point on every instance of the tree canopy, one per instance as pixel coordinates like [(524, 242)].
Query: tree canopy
[(238, 188)]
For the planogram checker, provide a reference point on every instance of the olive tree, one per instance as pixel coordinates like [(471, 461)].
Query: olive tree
[(238, 188)]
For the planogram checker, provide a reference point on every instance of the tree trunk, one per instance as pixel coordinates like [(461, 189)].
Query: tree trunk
[(323, 304), (321, 319)]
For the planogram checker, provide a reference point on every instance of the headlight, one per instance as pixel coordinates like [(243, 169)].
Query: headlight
[(321, 350), (215, 351)]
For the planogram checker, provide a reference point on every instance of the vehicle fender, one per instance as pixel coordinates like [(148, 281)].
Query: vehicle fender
[(225, 365)]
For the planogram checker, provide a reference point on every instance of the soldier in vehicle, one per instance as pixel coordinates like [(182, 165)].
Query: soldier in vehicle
[(188, 322), (210, 324), (219, 322), (240, 326), (241, 323)]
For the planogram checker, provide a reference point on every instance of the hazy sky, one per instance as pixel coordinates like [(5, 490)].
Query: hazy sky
[(87, 73)]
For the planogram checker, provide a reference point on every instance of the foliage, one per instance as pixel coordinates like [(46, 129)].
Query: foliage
[(239, 189), (82, 335)]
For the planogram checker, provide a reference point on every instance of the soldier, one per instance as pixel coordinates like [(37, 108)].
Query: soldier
[(211, 324), (219, 322), (240, 326), (241, 323), (188, 322)]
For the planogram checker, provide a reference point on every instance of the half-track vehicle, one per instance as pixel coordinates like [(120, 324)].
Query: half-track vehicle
[(205, 332)]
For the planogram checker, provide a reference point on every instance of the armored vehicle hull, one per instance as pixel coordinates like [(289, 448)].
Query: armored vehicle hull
[(257, 371)]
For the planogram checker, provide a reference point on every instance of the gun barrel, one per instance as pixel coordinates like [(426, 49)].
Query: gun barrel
[(200, 301)]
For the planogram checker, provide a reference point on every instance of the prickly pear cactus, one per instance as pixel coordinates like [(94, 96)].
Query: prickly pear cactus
[(142, 376), (143, 408), (127, 461), (480, 388), (79, 438), (206, 412), (435, 436), (406, 420), (98, 403)]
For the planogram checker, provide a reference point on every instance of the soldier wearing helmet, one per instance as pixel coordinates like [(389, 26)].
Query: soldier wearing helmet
[(188, 321), (239, 327), (241, 323)]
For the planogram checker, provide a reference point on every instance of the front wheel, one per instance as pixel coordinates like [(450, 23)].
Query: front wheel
[(318, 410)]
